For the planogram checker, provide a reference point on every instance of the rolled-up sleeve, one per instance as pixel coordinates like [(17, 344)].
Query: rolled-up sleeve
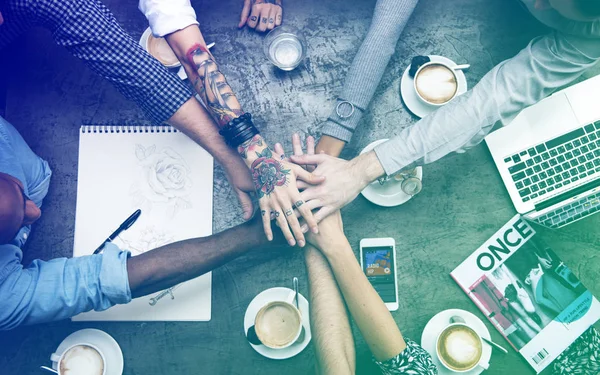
[(548, 63), (60, 288), (168, 16), (91, 33)]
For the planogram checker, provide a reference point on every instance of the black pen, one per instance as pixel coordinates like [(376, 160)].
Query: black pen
[(126, 224)]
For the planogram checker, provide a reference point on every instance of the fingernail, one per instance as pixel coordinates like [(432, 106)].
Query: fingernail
[(292, 242), (304, 228), (315, 230), (301, 243), (270, 237)]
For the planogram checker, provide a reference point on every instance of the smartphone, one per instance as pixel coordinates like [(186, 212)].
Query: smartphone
[(378, 262)]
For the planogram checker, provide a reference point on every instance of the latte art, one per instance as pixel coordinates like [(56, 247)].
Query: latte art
[(82, 360), (278, 324), (160, 49), (459, 348), (436, 83)]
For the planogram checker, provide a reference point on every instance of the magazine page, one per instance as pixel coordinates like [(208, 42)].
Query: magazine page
[(530, 296)]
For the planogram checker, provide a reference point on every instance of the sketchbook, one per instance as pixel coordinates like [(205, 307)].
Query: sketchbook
[(170, 178)]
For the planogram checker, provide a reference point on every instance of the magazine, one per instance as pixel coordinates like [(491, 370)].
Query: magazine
[(530, 296)]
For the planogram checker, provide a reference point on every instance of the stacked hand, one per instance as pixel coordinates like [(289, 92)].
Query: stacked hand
[(261, 15)]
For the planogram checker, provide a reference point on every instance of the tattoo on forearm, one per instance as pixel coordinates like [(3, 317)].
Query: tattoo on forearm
[(251, 145), (211, 85), (267, 173)]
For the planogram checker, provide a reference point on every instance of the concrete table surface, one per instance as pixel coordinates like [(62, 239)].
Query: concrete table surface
[(50, 93)]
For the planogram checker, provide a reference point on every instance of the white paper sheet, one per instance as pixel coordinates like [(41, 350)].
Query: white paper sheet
[(168, 177)]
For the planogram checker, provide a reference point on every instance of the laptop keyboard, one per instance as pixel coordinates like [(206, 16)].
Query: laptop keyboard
[(559, 162), (571, 212)]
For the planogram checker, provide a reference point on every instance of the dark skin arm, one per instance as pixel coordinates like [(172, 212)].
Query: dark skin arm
[(175, 263)]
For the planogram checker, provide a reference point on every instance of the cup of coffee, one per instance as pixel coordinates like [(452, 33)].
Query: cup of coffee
[(80, 358), (160, 49), (278, 324), (460, 348), (436, 83), (409, 181)]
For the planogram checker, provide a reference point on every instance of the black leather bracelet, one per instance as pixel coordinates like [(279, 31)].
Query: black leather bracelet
[(239, 130)]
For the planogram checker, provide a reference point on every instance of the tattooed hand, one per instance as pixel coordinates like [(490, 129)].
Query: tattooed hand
[(275, 183), (261, 15)]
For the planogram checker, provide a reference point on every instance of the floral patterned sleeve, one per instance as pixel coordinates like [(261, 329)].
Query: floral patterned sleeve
[(413, 360)]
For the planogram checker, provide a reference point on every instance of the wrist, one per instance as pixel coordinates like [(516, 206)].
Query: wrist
[(330, 145), (366, 168), (250, 149)]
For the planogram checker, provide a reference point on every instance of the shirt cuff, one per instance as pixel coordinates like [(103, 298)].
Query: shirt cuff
[(166, 17), (114, 280)]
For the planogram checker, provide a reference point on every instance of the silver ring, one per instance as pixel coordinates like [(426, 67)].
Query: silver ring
[(337, 109)]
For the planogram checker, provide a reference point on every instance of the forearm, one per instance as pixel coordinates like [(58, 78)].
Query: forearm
[(548, 63), (330, 326), (373, 56), (181, 261), (330, 145), (203, 71), (368, 310)]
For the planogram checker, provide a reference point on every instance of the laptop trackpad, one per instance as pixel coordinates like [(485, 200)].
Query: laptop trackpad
[(550, 118)]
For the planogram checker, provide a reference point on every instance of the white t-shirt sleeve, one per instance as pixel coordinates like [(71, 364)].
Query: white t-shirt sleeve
[(168, 16)]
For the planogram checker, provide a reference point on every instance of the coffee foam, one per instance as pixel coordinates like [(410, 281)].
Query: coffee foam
[(436, 83), (160, 49), (82, 360), (277, 324), (460, 348)]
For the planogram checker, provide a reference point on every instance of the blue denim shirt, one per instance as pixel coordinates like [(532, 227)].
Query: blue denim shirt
[(60, 288)]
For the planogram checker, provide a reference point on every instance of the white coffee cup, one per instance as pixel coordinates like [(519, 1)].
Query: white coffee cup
[(271, 326), (459, 348), (68, 355), (436, 83)]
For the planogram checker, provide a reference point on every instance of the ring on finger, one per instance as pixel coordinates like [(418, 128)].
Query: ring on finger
[(289, 212)]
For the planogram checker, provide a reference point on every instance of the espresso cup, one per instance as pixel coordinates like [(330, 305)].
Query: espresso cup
[(460, 348), (278, 324), (81, 358), (160, 49), (436, 83)]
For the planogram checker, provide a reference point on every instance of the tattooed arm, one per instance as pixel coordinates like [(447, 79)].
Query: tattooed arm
[(274, 178), (261, 15)]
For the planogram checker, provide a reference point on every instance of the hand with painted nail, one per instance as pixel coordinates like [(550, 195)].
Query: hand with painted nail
[(275, 183), (261, 15)]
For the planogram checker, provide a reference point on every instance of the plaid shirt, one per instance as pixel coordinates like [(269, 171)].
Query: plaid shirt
[(91, 33)]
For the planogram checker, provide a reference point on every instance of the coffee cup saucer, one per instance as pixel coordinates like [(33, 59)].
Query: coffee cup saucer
[(100, 339), (440, 321), (144, 39), (409, 95), (389, 194), (278, 294)]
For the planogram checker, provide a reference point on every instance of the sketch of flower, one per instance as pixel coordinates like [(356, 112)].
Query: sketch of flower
[(149, 238), (164, 179)]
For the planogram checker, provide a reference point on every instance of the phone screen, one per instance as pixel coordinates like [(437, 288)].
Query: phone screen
[(379, 268)]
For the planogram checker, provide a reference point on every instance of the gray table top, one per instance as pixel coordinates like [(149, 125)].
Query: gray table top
[(463, 202)]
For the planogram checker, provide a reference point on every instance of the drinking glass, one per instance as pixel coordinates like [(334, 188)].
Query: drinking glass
[(285, 47)]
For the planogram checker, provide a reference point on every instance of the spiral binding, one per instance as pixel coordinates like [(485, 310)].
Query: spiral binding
[(128, 129)]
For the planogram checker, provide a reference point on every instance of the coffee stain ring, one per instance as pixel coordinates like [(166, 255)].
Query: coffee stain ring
[(337, 109)]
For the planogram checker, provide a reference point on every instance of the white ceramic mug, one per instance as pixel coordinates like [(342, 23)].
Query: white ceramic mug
[(417, 76), (56, 358), (481, 363), (289, 302)]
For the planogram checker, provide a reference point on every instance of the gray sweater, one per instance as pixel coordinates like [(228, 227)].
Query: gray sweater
[(389, 19)]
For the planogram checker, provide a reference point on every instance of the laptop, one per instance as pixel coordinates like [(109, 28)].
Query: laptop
[(549, 156)]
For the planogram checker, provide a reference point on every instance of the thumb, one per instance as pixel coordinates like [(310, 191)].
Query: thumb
[(246, 203), (309, 159), (306, 176), (245, 13)]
